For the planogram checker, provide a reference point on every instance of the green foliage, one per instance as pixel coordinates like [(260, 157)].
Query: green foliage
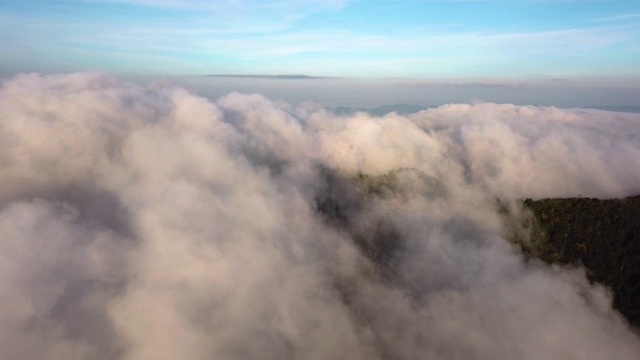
[(400, 182), (345, 198), (602, 235)]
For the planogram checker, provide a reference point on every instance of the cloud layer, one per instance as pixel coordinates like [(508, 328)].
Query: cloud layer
[(140, 223)]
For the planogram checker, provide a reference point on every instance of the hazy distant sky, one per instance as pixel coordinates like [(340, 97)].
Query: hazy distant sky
[(491, 44)]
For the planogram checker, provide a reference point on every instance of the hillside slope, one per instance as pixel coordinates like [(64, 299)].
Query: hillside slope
[(602, 235)]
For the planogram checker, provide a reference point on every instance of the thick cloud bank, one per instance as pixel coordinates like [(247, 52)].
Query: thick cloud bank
[(148, 223)]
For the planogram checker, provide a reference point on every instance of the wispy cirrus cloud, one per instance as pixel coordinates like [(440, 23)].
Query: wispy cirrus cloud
[(336, 38), (618, 18), (501, 84), (285, 9), (338, 52), (272, 76), (271, 46)]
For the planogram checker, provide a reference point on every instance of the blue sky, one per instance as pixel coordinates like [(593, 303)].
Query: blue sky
[(383, 38), (478, 42)]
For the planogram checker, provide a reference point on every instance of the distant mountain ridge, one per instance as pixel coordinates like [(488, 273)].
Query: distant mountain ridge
[(405, 109), (400, 109), (618, 108)]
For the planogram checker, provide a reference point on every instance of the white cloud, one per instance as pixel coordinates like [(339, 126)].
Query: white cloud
[(143, 223), (618, 18)]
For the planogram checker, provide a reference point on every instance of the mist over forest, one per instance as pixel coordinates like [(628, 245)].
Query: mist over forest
[(146, 222)]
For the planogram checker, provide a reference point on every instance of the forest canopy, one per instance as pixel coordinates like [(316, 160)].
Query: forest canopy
[(601, 235)]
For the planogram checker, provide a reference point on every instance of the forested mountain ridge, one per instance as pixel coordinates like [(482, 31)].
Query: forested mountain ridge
[(601, 235)]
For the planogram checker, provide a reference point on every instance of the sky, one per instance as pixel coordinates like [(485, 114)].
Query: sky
[(459, 44), (167, 191)]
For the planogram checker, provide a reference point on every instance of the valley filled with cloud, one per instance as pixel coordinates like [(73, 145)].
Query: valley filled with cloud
[(146, 222)]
